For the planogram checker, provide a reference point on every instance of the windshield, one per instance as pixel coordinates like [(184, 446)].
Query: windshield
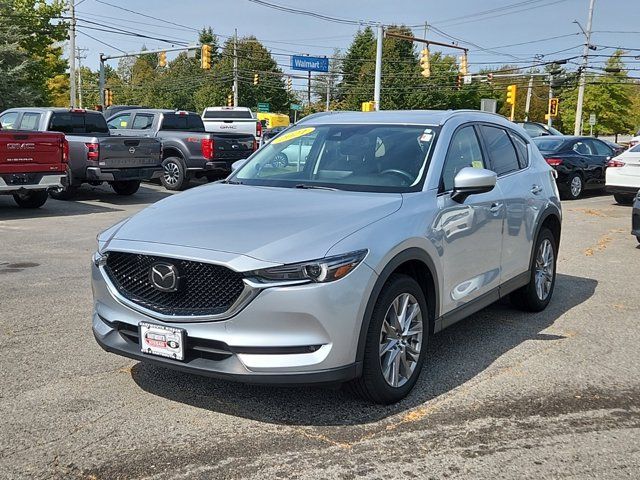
[(373, 158), (548, 144), (182, 122)]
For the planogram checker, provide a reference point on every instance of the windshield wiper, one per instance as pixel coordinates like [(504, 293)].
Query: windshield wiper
[(230, 182), (314, 187)]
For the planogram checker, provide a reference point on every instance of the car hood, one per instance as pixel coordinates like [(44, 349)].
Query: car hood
[(280, 225)]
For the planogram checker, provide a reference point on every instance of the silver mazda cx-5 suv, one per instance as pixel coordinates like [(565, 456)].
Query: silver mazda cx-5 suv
[(335, 252)]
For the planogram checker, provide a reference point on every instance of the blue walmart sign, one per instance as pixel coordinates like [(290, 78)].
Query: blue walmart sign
[(311, 64)]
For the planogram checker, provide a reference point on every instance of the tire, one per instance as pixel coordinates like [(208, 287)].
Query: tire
[(623, 199), (175, 176), (528, 298), (373, 385), (125, 187), (574, 187), (31, 199), (67, 192)]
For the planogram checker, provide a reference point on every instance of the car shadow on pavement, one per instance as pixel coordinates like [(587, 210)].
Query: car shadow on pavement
[(454, 357), (147, 194)]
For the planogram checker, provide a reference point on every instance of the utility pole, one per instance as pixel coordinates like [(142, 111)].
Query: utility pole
[(101, 81), (327, 106), (378, 78), (549, 119), (80, 56), (309, 87), (583, 71), (528, 103), (72, 54), (235, 68)]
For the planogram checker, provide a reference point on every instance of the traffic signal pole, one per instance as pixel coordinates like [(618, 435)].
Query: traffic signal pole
[(577, 130), (72, 54), (528, 103), (235, 68)]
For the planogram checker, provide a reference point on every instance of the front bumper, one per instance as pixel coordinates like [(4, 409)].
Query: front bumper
[(295, 334), (97, 174), (43, 181)]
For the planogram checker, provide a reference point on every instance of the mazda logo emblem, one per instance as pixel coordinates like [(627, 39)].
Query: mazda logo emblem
[(164, 277), (132, 150)]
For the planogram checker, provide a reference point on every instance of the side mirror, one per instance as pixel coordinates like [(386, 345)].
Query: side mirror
[(237, 164), (471, 181)]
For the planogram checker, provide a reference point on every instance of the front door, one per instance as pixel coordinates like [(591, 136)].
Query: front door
[(469, 234)]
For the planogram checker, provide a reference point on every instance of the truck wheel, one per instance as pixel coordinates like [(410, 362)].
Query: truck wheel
[(31, 199), (125, 187), (67, 192), (175, 176), (623, 199)]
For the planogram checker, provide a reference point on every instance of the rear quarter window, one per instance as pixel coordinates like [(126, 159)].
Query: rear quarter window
[(183, 123), (79, 123), (502, 153)]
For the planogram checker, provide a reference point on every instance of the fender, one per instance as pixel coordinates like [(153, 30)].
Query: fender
[(404, 256), (551, 210)]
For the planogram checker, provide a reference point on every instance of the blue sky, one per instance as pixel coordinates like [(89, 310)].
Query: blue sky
[(285, 33)]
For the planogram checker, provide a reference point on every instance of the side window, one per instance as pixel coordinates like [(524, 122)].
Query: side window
[(8, 120), (142, 121), (502, 153), (464, 151), (599, 147), (120, 121), (534, 130), (582, 148), (30, 121), (523, 149)]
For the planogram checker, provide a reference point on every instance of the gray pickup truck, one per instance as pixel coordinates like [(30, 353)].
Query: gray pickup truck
[(187, 149), (94, 155)]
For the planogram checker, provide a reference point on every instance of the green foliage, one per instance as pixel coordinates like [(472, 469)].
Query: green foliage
[(610, 96), (32, 55)]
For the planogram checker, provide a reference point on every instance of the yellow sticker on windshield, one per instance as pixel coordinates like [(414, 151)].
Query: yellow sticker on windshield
[(477, 164), (291, 135), (123, 123)]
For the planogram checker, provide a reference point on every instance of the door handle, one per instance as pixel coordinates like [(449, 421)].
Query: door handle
[(495, 207), (536, 189)]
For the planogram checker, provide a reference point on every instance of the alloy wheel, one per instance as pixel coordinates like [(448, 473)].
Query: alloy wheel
[(544, 269), (576, 186), (401, 340), (171, 173)]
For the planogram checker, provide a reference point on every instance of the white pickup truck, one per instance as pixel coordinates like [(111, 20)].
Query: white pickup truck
[(231, 120)]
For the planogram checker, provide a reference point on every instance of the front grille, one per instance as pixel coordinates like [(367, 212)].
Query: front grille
[(203, 289)]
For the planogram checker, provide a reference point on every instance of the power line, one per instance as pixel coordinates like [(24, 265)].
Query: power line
[(308, 13), (142, 14)]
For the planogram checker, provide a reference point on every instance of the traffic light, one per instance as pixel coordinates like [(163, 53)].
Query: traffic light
[(553, 107), (162, 59), (205, 57), (511, 100), (108, 97), (425, 62), (256, 79), (464, 65), (289, 85), (459, 81), (230, 100)]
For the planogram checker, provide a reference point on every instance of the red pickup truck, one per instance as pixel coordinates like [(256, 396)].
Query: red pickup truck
[(31, 164)]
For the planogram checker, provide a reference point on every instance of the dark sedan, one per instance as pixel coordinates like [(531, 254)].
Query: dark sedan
[(579, 161)]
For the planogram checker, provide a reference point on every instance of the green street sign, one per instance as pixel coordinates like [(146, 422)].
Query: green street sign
[(295, 106), (263, 107)]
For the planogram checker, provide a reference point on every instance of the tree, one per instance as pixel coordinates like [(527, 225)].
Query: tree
[(16, 67), (609, 96), (28, 26), (253, 58)]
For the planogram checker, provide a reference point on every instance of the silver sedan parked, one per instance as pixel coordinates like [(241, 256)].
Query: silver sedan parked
[(339, 268)]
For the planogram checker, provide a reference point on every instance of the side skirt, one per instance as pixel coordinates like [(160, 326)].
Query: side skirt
[(481, 302)]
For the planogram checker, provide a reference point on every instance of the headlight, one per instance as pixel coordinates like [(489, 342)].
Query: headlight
[(326, 269)]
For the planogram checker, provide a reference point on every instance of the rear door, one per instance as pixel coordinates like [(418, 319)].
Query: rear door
[(601, 153), (508, 155)]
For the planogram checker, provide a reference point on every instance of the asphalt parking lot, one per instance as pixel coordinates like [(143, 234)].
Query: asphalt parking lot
[(504, 394)]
